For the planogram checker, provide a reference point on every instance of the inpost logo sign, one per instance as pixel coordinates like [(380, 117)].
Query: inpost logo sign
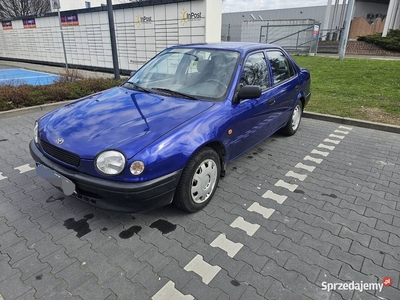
[(188, 17), (142, 20)]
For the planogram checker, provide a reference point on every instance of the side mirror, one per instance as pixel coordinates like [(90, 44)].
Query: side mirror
[(248, 92), (133, 73)]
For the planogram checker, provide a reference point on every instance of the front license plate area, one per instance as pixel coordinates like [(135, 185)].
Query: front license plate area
[(66, 185)]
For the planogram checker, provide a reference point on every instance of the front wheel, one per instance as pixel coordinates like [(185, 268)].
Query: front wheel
[(199, 180), (294, 121)]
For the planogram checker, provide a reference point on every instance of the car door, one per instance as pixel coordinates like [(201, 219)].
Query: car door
[(285, 85), (253, 117)]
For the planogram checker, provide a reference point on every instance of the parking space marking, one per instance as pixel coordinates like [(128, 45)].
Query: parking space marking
[(24, 168), (305, 167), (265, 212), (168, 291), (345, 127), (326, 147), (206, 271), (336, 136), (313, 159), (331, 141), (271, 195), (322, 153), (288, 186), (298, 176), (248, 227), (231, 248), (341, 131), (1, 178)]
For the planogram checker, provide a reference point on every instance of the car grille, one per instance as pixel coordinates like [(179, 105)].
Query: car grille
[(60, 154)]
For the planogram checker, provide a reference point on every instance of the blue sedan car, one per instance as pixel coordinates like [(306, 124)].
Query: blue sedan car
[(166, 134)]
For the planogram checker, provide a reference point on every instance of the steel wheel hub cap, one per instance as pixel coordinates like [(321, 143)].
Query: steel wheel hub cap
[(203, 182)]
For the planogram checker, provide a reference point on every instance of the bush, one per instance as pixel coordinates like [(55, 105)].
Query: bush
[(14, 96), (391, 42)]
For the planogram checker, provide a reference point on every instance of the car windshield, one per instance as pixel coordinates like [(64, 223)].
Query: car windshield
[(188, 73)]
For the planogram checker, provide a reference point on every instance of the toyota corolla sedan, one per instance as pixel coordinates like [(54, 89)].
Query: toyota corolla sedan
[(167, 134)]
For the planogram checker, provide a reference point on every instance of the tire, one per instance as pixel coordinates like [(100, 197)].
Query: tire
[(198, 181), (294, 122)]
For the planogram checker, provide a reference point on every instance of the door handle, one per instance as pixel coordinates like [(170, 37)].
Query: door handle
[(297, 88), (272, 101)]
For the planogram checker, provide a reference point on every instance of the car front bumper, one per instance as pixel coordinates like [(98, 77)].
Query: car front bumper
[(115, 195)]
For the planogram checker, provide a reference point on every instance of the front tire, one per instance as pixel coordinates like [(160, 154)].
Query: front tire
[(294, 122), (199, 181)]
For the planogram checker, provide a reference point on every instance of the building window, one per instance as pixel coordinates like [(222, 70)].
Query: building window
[(87, 4)]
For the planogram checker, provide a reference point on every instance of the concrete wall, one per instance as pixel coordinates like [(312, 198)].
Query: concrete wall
[(141, 33)]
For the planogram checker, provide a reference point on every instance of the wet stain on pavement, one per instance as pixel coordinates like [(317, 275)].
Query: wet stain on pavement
[(299, 191), (164, 226), (104, 229), (331, 195), (249, 156), (52, 199), (81, 227), (3, 140), (235, 283), (126, 234), (39, 277)]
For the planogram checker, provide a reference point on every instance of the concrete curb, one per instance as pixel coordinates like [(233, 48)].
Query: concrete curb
[(306, 114), (32, 109), (353, 122)]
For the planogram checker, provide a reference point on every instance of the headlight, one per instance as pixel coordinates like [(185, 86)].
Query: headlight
[(36, 132), (137, 167), (110, 162)]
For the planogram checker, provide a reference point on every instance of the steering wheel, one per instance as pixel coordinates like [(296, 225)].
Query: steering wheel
[(218, 82)]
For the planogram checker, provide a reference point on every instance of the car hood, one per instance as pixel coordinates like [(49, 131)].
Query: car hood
[(119, 119)]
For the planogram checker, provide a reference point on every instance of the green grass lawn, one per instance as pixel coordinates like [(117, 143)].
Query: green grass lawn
[(356, 88)]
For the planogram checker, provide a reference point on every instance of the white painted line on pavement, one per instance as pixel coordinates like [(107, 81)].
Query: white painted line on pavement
[(337, 136), (298, 176), (305, 167), (24, 168), (241, 223), (341, 131), (206, 271), (345, 127), (323, 153), (331, 141), (168, 291), (316, 160), (326, 147), (227, 245), (265, 212), (1, 178), (271, 195)]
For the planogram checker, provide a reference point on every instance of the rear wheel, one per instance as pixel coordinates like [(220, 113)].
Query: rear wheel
[(294, 122), (199, 180)]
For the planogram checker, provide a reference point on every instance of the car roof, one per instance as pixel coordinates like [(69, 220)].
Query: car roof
[(237, 46)]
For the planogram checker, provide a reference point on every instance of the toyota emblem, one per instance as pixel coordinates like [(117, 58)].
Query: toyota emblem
[(59, 141)]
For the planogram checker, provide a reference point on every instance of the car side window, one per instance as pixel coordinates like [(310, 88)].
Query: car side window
[(255, 71), (282, 69)]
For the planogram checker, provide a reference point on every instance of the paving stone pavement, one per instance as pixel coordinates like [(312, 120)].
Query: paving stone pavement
[(293, 217)]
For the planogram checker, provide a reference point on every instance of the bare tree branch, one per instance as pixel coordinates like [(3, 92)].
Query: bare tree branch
[(20, 8)]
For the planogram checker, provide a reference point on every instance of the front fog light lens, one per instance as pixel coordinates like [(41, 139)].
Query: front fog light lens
[(110, 162), (137, 167), (36, 132)]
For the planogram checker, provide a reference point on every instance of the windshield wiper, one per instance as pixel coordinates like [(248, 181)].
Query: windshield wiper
[(171, 92), (138, 87)]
